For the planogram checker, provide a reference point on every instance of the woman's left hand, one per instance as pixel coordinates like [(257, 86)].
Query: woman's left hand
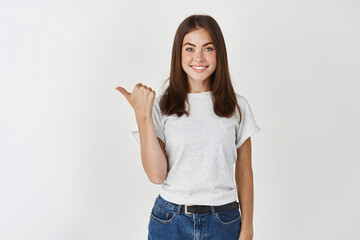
[(245, 235)]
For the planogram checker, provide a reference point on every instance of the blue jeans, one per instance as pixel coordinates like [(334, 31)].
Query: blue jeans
[(169, 222)]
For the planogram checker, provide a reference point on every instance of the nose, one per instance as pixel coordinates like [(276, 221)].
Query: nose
[(199, 57)]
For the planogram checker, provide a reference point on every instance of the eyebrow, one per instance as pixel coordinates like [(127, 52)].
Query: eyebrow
[(195, 45)]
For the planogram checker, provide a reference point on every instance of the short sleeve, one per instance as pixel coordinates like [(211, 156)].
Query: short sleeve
[(157, 119), (248, 125)]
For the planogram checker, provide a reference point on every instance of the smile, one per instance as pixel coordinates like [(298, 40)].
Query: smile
[(199, 69)]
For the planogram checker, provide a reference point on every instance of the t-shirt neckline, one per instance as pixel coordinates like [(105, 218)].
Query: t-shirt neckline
[(200, 93)]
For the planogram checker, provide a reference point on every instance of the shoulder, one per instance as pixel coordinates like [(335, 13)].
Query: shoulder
[(243, 103), (156, 105), (158, 98), (240, 99)]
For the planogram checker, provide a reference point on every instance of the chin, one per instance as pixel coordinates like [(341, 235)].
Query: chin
[(200, 79)]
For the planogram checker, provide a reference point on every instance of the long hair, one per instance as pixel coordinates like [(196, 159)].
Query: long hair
[(223, 95)]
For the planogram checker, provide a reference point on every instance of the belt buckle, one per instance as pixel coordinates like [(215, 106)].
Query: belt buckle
[(187, 205)]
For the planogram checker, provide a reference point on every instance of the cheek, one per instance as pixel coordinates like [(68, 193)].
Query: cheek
[(185, 61), (185, 57), (212, 58)]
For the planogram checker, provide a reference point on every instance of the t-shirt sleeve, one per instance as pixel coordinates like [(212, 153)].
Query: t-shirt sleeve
[(157, 119), (247, 126)]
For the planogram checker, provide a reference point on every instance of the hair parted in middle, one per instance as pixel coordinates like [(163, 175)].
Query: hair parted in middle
[(223, 94)]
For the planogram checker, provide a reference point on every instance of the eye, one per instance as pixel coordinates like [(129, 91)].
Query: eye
[(210, 48), (187, 49)]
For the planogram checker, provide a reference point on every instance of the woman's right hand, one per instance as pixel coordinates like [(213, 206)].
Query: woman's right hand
[(141, 99)]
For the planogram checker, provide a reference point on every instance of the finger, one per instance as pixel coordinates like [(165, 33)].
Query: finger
[(137, 86), (124, 92)]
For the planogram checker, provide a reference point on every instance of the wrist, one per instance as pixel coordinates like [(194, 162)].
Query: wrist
[(246, 232), (141, 118), (247, 227)]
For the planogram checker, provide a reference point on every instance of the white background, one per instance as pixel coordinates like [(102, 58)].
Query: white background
[(70, 168)]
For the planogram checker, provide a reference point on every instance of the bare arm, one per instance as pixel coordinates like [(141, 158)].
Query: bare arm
[(245, 189), (153, 155)]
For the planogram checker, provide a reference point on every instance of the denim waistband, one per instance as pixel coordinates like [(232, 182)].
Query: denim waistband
[(167, 203)]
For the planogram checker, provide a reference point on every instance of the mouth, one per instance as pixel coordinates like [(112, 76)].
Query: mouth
[(199, 68)]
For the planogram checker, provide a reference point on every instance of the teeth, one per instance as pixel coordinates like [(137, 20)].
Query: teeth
[(199, 68)]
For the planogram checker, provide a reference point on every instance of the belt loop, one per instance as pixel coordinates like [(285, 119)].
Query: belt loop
[(178, 211), (212, 210)]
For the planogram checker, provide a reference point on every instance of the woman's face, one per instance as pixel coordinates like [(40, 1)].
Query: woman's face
[(198, 51)]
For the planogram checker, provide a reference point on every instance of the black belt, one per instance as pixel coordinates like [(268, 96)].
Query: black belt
[(206, 209)]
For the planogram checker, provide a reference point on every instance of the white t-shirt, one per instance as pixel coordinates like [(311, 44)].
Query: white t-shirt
[(202, 150)]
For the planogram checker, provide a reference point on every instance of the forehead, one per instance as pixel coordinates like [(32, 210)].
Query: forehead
[(197, 36)]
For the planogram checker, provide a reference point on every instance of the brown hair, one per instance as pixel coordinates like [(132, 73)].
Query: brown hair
[(223, 95)]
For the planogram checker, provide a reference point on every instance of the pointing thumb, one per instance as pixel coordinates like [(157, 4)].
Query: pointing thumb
[(124, 92)]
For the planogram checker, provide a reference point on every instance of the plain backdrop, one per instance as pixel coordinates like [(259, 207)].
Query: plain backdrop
[(70, 168)]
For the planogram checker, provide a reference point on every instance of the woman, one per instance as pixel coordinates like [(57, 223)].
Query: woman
[(191, 136)]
